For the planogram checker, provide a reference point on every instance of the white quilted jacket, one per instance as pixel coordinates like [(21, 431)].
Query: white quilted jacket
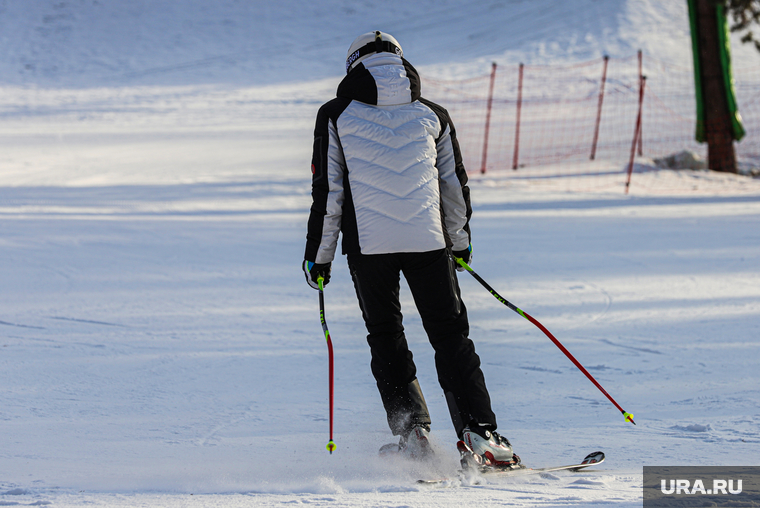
[(387, 169)]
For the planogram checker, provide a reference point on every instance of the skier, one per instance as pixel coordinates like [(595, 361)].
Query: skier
[(387, 173)]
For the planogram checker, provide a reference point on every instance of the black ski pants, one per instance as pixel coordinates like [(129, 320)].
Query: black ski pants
[(432, 279)]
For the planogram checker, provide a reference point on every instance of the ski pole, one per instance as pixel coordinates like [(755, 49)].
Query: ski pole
[(628, 416), (320, 281)]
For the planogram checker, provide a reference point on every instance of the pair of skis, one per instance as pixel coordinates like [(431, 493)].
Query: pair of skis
[(592, 459)]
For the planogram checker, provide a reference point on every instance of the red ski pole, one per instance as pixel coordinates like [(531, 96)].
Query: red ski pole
[(320, 280), (628, 416)]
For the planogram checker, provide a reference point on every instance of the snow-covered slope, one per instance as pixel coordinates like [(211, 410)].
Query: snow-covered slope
[(89, 43), (158, 344)]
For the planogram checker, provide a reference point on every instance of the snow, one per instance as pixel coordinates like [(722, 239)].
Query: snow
[(159, 346)]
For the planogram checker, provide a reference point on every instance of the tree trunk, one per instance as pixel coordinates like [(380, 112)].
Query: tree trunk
[(718, 129)]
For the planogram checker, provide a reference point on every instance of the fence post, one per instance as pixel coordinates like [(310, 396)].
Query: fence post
[(641, 85), (488, 119), (517, 127), (637, 132), (599, 108)]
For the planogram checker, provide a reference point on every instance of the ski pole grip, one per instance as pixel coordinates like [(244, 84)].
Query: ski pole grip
[(462, 263)]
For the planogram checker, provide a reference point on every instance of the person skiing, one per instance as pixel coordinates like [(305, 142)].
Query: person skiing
[(387, 173)]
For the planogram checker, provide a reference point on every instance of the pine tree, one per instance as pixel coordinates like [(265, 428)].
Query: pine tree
[(744, 14), (717, 123)]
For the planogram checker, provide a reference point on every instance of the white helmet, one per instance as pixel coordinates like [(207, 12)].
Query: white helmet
[(369, 43)]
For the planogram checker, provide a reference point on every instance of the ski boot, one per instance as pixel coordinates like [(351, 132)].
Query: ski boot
[(482, 449), (414, 445)]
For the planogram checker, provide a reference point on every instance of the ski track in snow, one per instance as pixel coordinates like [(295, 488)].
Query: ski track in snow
[(157, 341)]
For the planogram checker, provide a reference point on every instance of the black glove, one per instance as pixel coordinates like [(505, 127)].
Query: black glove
[(314, 271), (464, 255)]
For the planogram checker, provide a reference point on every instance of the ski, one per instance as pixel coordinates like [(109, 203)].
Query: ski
[(592, 459)]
